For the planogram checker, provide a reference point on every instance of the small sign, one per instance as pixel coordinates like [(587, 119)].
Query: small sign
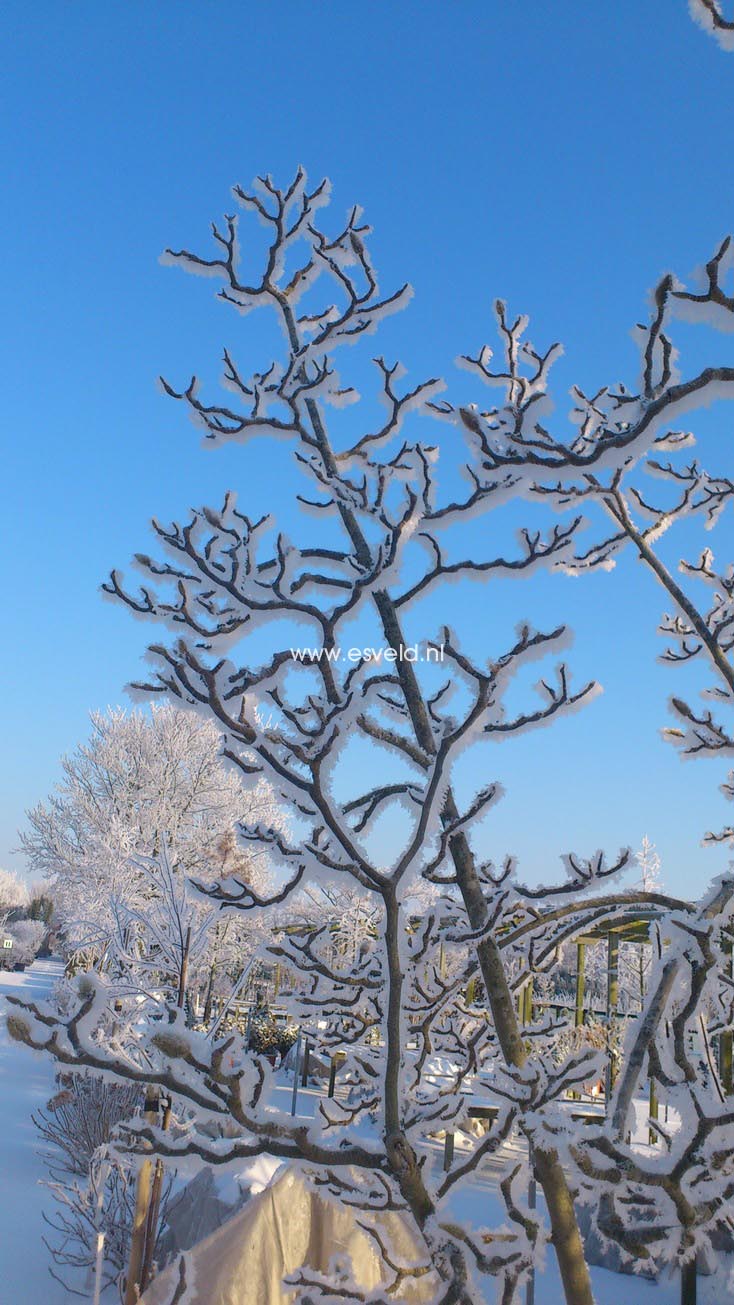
[(7, 944)]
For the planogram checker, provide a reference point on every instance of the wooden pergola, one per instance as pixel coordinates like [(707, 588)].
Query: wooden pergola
[(634, 927)]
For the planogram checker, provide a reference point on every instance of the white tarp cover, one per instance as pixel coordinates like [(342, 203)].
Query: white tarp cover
[(287, 1227)]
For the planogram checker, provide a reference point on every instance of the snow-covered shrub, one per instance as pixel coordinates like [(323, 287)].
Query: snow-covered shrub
[(81, 1117), (268, 1037), (28, 936), (143, 779), (93, 1191)]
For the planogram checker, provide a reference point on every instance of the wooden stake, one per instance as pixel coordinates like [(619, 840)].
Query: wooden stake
[(688, 1280), (652, 1136), (154, 1184), (140, 1216), (296, 1067)]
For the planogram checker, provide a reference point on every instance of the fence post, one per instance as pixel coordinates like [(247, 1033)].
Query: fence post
[(688, 1278), (448, 1151), (296, 1067), (652, 1136), (527, 1002), (337, 1059)]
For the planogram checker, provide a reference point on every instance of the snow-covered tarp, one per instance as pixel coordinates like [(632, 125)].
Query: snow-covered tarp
[(286, 1228)]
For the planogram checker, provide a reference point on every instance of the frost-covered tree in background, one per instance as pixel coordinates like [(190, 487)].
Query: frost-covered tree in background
[(398, 1003), (144, 784), (24, 933), (27, 936), (636, 959), (14, 895), (649, 863), (143, 808)]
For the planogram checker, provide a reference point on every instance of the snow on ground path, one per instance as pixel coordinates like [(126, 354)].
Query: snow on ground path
[(26, 1082)]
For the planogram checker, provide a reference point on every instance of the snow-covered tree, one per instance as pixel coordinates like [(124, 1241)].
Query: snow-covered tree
[(144, 783), (345, 739), (143, 808), (649, 863), (27, 936), (637, 958), (14, 895)]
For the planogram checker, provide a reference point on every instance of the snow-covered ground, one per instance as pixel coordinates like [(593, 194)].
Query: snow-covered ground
[(26, 1082)]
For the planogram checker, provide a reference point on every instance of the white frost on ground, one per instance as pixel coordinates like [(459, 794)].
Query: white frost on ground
[(26, 1082)]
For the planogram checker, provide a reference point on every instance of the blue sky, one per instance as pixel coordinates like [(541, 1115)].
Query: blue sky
[(561, 156)]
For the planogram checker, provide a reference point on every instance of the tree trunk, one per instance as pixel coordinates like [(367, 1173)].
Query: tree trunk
[(566, 1237)]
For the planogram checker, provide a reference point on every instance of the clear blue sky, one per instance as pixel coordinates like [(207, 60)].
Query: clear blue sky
[(561, 156)]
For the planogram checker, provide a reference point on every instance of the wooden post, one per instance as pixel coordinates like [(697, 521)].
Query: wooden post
[(725, 1057), (140, 1215), (527, 1011), (652, 1136), (580, 984), (471, 992), (688, 1277), (337, 1059), (306, 1058), (156, 1191), (296, 1067), (448, 1151), (154, 1208)]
